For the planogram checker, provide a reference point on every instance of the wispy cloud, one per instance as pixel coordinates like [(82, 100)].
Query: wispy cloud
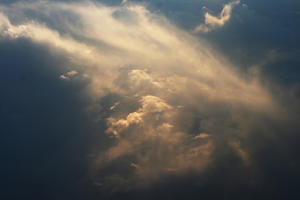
[(169, 76), (213, 22)]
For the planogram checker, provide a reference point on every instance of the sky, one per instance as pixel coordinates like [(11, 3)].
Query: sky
[(149, 99)]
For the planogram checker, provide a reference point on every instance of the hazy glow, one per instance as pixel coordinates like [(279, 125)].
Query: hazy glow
[(130, 51)]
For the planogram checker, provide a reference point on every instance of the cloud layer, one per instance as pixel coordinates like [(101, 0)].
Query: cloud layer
[(178, 99)]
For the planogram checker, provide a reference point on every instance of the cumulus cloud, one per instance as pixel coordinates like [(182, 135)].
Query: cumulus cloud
[(213, 22), (150, 137), (172, 86)]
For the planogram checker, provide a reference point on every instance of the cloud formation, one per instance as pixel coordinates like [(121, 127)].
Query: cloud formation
[(68, 75), (185, 97), (213, 22), (150, 138), (162, 47)]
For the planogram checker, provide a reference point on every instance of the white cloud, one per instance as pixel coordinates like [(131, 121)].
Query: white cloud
[(213, 22)]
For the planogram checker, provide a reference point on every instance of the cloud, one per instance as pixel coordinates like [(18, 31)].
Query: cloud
[(213, 22), (236, 145), (202, 136), (155, 147), (171, 85), (68, 75), (150, 42)]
